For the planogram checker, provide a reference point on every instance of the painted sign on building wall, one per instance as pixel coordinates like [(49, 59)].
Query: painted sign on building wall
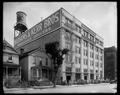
[(49, 24)]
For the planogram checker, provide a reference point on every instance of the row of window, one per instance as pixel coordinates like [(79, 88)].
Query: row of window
[(97, 41), (97, 57), (77, 40), (76, 27), (97, 49), (87, 35), (97, 64), (92, 38), (38, 60), (68, 37), (69, 69), (77, 69), (100, 72), (85, 61), (91, 71), (78, 50)]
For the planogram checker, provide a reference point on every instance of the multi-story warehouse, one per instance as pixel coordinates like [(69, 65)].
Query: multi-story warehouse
[(86, 57)]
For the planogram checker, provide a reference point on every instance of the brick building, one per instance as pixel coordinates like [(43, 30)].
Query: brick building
[(110, 63), (86, 57)]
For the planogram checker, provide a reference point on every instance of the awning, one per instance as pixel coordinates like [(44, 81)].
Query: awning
[(12, 65), (36, 67), (39, 67)]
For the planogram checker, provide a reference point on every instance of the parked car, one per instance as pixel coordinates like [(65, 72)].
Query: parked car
[(41, 82), (113, 81)]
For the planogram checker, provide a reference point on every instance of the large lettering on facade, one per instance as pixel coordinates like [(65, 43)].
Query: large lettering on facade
[(49, 24)]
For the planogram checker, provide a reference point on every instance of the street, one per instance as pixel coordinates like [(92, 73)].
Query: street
[(88, 88)]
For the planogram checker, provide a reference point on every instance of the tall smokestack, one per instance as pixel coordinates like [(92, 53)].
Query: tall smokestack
[(21, 22)]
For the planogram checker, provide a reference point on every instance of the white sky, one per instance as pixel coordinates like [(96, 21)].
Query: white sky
[(101, 17)]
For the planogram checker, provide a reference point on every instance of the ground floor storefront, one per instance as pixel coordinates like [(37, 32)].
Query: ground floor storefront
[(74, 77)]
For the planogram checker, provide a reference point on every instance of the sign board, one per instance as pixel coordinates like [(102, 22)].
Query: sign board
[(49, 24)]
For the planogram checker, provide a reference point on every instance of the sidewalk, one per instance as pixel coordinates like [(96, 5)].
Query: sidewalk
[(46, 87)]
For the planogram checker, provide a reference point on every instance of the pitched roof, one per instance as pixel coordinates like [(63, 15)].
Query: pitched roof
[(9, 48)]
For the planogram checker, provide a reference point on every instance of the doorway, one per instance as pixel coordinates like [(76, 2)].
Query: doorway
[(85, 77), (68, 78)]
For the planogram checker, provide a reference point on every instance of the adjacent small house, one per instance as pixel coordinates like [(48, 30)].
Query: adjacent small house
[(11, 67)]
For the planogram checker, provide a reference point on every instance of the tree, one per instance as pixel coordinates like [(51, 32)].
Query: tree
[(56, 54)]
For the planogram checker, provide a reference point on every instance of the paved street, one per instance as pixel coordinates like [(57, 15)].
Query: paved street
[(89, 88)]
